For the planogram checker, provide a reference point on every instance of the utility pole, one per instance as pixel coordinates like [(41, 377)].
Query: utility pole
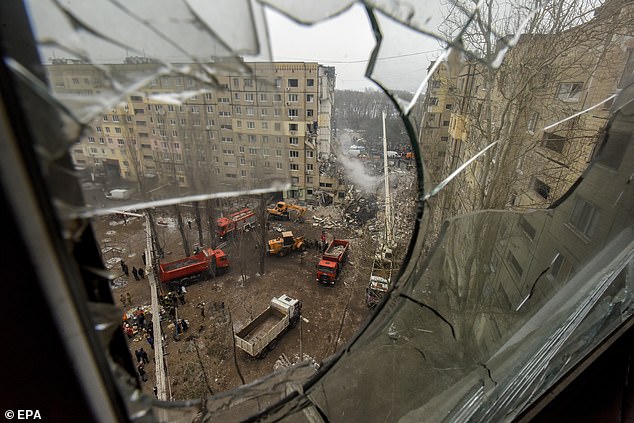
[(162, 383), (388, 200)]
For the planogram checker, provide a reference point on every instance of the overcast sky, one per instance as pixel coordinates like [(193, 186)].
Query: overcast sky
[(346, 42)]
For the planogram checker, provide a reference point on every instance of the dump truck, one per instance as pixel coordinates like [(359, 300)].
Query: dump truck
[(286, 244), (241, 220), (260, 335), (208, 262), (332, 261), (282, 210)]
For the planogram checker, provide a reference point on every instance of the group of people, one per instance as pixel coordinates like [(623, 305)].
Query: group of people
[(138, 322), (172, 300), (126, 299), (142, 359), (137, 273)]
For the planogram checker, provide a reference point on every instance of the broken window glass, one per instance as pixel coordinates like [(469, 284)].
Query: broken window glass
[(483, 309)]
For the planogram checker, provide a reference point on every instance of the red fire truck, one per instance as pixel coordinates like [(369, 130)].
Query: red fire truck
[(240, 220)]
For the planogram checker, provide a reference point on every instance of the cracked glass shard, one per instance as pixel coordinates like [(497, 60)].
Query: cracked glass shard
[(485, 265), (310, 13)]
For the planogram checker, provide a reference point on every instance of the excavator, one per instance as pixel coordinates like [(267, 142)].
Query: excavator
[(286, 244), (282, 211)]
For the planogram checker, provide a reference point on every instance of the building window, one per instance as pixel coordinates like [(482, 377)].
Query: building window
[(238, 110), (265, 125), (515, 265), (91, 139), (445, 123), (210, 109), (263, 112), (293, 83), (532, 122), (444, 138), (263, 97), (309, 98), (541, 188), (310, 82), (252, 139), (447, 106), (293, 98), (250, 111), (309, 154), (433, 101), (292, 113), (527, 228), (251, 125), (292, 127), (293, 153), (278, 153), (239, 124), (253, 151), (278, 126), (248, 83), (248, 97), (265, 139), (294, 166), (569, 91), (611, 154), (553, 142), (278, 82), (628, 72), (309, 167), (584, 217), (277, 97), (309, 112)]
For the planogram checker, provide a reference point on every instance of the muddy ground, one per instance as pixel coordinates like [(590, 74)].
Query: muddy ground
[(201, 361)]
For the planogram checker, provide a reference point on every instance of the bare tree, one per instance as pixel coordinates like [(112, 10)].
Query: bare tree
[(501, 104)]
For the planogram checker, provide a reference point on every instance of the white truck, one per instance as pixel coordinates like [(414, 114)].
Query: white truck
[(119, 194), (260, 335)]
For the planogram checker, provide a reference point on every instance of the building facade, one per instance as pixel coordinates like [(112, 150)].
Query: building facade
[(251, 129)]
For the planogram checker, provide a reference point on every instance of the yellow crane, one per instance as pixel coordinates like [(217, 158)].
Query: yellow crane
[(282, 210)]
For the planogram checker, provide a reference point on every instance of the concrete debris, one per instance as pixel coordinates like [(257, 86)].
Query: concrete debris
[(283, 361)]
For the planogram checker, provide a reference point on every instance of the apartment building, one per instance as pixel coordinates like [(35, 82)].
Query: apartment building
[(532, 106), (270, 124)]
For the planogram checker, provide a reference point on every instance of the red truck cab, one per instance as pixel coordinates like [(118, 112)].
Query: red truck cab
[(332, 261), (328, 272)]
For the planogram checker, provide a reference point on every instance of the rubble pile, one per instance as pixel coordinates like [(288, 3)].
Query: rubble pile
[(359, 210), (327, 217), (283, 361)]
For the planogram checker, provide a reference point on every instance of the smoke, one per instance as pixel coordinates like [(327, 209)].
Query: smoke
[(356, 173), (354, 169)]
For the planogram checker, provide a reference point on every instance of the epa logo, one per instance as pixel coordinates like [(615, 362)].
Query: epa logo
[(23, 414)]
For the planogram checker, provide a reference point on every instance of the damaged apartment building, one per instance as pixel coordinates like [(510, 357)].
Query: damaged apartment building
[(178, 133), (541, 114)]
